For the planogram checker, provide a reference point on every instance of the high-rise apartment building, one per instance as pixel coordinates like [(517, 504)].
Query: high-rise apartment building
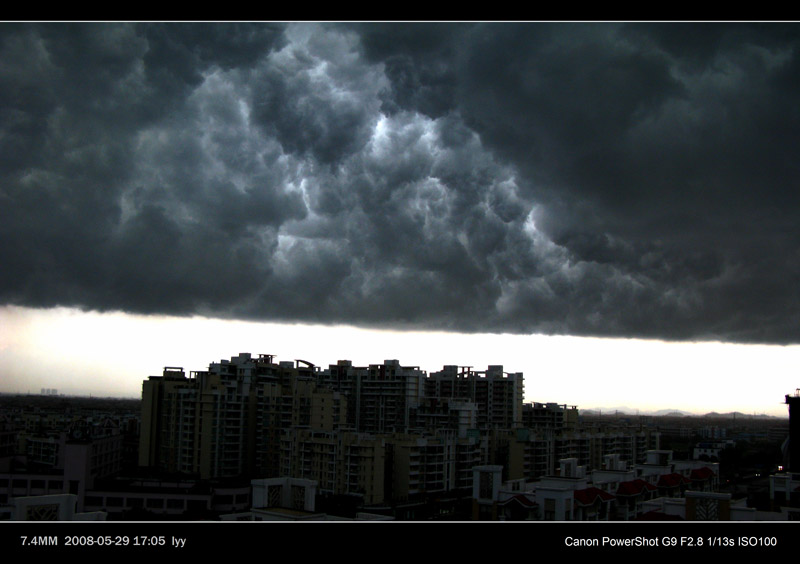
[(382, 432), (497, 394), (549, 416), (227, 421), (381, 397)]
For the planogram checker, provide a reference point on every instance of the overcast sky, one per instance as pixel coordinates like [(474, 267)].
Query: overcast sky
[(627, 181)]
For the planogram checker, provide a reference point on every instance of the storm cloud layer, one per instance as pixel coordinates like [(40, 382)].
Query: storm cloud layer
[(586, 179)]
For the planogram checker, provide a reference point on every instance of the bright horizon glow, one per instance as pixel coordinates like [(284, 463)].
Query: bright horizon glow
[(111, 354)]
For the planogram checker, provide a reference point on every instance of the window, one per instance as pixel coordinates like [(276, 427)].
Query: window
[(298, 497), (485, 485), (274, 496)]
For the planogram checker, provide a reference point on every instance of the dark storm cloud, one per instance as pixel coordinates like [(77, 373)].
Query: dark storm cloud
[(590, 179)]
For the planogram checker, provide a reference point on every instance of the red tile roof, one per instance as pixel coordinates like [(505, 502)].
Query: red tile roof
[(589, 495), (703, 473), (671, 480), (635, 487)]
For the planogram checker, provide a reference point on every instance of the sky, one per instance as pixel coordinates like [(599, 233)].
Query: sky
[(609, 208)]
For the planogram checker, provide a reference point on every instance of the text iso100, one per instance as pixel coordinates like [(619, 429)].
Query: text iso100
[(756, 541)]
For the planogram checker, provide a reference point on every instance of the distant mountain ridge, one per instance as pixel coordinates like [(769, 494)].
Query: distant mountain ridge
[(624, 410), (672, 413)]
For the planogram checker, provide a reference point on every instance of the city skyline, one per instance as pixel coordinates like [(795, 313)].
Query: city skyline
[(115, 353), (609, 208)]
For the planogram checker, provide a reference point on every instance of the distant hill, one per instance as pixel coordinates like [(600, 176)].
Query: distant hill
[(627, 411), (630, 411), (740, 415)]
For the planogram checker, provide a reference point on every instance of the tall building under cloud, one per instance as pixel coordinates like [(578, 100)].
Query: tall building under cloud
[(227, 421), (383, 430)]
